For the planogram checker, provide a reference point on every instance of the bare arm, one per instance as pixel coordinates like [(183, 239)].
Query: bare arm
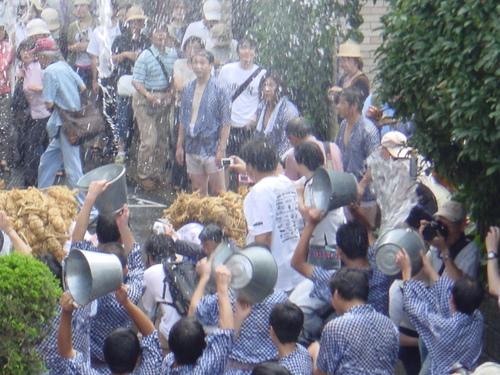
[(140, 319), (179, 152), (221, 152), (265, 238), (64, 339), (95, 74), (203, 268), (492, 240), (82, 220), (222, 280), (122, 220), (17, 243)]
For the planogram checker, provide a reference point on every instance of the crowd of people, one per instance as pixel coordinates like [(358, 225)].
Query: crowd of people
[(207, 113)]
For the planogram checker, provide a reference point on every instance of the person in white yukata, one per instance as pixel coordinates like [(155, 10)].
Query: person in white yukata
[(192, 352), (360, 340), (110, 314), (446, 317), (286, 321), (123, 352)]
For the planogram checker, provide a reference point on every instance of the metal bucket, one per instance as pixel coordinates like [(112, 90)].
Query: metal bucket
[(391, 243), (114, 197), (90, 275), (253, 273), (221, 253), (331, 189)]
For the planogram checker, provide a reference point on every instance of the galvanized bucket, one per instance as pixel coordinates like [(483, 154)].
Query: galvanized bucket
[(114, 197), (90, 275)]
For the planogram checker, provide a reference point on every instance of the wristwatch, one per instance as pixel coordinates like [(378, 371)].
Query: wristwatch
[(492, 255), (444, 257)]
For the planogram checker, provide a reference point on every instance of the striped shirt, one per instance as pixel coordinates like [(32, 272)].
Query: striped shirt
[(148, 71)]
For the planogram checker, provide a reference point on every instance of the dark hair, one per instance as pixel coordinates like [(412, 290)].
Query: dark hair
[(187, 341), (359, 62), (193, 39), (467, 294), (54, 266), (159, 247), (351, 283), (204, 53), (270, 368), (298, 127), (352, 239), (278, 79), (121, 350), (354, 96), (287, 320), (106, 229), (26, 45), (116, 249), (261, 154), (309, 154), (248, 40), (212, 232)]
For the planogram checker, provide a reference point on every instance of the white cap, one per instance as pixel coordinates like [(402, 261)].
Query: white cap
[(212, 10)]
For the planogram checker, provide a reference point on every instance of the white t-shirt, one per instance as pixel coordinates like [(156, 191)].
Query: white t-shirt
[(153, 279), (245, 105), (467, 259), (272, 206), (198, 29), (100, 43)]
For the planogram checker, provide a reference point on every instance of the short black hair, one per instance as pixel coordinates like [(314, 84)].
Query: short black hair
[(54, 266), (193, 39), (270, 368), (261, 154), (26, 45), (121, 350), (299, 127), (468, 294), (351, 283), (117, 249), (352, 238), (247, 40), (212, 232), (354, 96), (106, 229), (309, 154), (187, 341), (287, 320), (159, 247), (204, 53)]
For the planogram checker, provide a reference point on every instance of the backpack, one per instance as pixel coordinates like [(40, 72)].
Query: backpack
[(182, 280)]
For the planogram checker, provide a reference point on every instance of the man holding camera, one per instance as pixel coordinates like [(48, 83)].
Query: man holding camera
[(451, 253)]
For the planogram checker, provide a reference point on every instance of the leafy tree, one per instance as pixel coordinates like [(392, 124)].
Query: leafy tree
[(442, 58), (297, 38), (28, 298)]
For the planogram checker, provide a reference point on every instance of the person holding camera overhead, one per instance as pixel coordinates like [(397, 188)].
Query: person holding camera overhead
[(451, 253)]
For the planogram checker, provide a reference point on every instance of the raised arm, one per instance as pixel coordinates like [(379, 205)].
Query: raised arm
[(82, 220), (203, 268), (142, 322), (17, 243), (64, 339), (492, 240), (222, 280), (122, 219)]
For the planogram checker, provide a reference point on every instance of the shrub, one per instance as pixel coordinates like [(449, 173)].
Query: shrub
[(28, 298)]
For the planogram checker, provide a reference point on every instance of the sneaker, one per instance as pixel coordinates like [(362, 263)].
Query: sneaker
[(120, 159)]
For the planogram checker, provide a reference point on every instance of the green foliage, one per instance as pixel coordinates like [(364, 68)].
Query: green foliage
[(28, 298), (297, 39), (442, 56)]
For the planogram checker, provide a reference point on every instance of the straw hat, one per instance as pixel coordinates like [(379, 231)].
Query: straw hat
[(37, 26), (221, 35), (395, 142), (51, 16), (135, 13), (349, 50)]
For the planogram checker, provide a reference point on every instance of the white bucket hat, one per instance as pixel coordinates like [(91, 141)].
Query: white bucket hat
[(37, 26)]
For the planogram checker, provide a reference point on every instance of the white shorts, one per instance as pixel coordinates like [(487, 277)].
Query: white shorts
[(201, 165)]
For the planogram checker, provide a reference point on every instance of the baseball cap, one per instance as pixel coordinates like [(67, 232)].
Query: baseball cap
[(44, 45), (395, 142), (453, 211), (212, 10)]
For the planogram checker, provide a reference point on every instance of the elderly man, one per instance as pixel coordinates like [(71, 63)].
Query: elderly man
[(211, 16), (151, 104), (61, 87)]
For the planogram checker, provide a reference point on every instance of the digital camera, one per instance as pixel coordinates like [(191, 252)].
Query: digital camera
[(433, 228)]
